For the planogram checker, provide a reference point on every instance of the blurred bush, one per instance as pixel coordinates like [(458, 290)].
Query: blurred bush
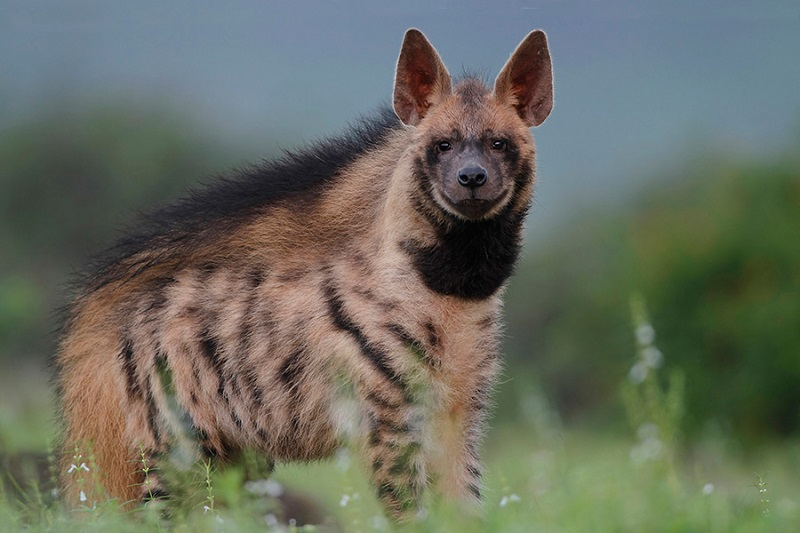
[(713, 248), (69, 181), (715, 251)]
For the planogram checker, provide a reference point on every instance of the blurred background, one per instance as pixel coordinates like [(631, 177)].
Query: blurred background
[(669, 176)]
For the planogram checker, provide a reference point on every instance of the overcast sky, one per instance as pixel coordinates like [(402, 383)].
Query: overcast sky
[(638, 83)]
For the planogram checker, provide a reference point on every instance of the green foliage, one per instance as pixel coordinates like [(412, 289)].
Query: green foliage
[(586, 482), (69, 181), (714, 251), (712, 247), (721, 271), (655, 412)]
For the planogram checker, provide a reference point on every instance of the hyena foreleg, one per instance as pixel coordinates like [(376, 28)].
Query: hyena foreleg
[(99, 461), (394, 451), (458, 429), (456, 466)]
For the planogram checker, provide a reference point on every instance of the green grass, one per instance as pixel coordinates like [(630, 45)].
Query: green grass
[(571, 481), (540, 476), (587, 482)]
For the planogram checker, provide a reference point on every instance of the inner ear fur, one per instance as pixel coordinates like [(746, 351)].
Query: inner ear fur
[(526, 80), (421, 79)]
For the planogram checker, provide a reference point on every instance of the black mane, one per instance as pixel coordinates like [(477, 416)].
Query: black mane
[(233, 197)]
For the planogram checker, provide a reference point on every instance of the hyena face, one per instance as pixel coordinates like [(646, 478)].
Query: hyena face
[(345, 295), (475, 149)]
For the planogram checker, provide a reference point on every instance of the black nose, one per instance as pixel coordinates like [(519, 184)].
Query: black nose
[(472, 177)]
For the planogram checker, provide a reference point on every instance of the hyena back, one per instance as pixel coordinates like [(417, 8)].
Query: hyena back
[(345, 294)]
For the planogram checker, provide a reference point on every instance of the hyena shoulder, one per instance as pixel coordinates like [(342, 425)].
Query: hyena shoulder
[(229, 201)]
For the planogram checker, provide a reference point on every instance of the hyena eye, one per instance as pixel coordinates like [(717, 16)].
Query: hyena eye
[(444, 146), (499, 144)]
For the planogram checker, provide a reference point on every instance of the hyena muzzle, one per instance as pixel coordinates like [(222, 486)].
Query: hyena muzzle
[(346, 294)]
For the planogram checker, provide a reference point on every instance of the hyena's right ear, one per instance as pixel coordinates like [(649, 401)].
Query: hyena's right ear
[(526, 82), (421, 79)]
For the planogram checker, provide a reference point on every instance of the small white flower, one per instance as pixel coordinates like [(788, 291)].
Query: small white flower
[(83, 496), (505, 500), (636, 455), (652, 357), (264, 487), (271, 520), (206, 509), (378, 523), (649, 450), (638, 373), (645, 335), (653, 448), (73, 468), (708, 488), (344, 500), (650, 447), (343, 460), (648, 430)]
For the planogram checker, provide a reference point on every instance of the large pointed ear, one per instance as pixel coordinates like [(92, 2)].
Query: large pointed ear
[(421, 79), (526, 82)]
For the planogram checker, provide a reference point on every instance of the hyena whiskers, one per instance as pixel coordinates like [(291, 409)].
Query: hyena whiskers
[(347, 294)]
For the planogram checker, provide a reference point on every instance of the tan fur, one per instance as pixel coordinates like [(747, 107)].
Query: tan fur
[(313, 330)]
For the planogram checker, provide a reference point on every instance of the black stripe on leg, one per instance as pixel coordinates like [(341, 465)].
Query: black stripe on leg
[(391, 427), (374, 437), (474, 472), (412, 344), (474, 490), (401, 499), (380, 401)]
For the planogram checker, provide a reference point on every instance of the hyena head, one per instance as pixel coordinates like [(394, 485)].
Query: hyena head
[(476, 151)]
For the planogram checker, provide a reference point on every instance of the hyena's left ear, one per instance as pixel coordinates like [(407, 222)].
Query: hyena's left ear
[(526, 82), (421, 79)]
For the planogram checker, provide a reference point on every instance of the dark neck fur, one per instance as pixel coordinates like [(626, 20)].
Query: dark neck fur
[(470, 260)]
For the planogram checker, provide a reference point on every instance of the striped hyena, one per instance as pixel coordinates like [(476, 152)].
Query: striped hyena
[(348, 293)]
